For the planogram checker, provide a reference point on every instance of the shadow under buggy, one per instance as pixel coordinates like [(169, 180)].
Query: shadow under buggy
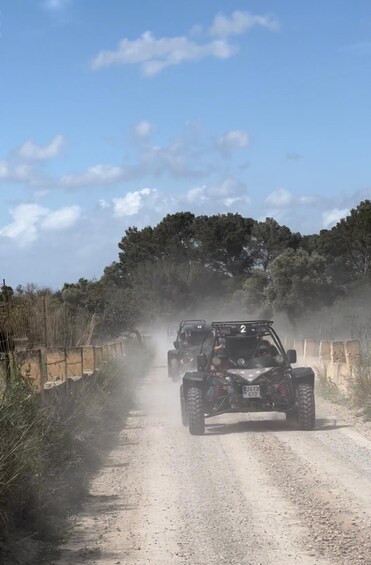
[(243, 367)]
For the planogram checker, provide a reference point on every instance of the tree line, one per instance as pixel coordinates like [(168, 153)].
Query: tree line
[(190, 263)]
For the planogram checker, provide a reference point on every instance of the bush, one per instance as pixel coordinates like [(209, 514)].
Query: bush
[(361, 386), (48, 450)]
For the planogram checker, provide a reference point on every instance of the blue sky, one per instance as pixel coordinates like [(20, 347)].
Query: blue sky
[(115, 113)]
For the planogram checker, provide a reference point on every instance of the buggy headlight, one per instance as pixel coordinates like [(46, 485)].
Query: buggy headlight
[(241, 361)]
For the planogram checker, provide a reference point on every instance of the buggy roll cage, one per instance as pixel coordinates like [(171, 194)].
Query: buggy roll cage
[(185, 322), (242, 327), (175, 330), (252, 325)]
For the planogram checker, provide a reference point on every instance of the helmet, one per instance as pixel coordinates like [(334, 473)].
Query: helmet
[(264, 347)]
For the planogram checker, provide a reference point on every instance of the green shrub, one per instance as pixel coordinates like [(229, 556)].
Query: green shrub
[(49, 449)]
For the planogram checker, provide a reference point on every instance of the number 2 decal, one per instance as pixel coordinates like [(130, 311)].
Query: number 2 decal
[(243, 329)]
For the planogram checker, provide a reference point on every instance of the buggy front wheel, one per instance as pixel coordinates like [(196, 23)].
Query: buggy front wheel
[(196, 416), (305, 406)]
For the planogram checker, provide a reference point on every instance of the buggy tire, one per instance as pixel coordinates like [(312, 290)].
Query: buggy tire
[(305, 406), (196, 416), (183, 408), (173, 369)]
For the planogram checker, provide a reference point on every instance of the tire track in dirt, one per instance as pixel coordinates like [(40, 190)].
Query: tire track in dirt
[(329, 487), (339, 528), (247, 492)]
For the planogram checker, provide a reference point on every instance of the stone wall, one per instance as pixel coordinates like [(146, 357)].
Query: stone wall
[(338, 360), (48, 368)]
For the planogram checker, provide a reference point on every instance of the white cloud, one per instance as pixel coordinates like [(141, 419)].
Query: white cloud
[(280, 198), (29, 219), (4, 170), (62, 219), (240, 22), (103, 204), (332, 217), (24, 225), (196, 195), (132, 202), (191, 155), (97, 175), (180, 159), (143, 129), (55, 5), (225, 194), (228, 202), (287, 208), (153, 55), (234, 139), (307, 200), (41, 193), (21, 172), (29, 151)]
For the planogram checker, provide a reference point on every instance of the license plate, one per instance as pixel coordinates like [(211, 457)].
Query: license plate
[(251, 391)]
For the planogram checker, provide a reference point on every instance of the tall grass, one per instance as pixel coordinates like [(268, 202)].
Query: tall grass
[(361, 384), (48, 450), (327, 387)]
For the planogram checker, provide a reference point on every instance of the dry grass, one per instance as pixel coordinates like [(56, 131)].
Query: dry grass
[(361, 385), (48, 451), (359, 388), (327, 388)]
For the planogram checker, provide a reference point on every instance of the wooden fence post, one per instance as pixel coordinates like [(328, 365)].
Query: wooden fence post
[(65, 365), (82, 360), (43, 373)]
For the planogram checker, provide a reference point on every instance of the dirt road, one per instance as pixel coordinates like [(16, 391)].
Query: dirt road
[(251, 491)]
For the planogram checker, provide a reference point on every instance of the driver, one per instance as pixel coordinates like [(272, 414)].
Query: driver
[(221, 363), (264, 347), (266, 353)]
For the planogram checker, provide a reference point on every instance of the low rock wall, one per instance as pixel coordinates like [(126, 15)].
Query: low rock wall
[(337, 360), (55, 366)]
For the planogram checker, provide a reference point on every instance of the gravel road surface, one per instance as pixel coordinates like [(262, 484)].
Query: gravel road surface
[(251, 491)]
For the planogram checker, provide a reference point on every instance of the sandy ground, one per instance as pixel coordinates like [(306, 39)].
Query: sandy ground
[(251, 491)]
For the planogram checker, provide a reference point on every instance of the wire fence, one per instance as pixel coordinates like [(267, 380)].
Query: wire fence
[(41, 320)]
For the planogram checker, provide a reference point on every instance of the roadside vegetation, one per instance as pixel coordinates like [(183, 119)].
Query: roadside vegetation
[(189, 265), (361, 386), (359, 394), (314, 286), (49, 450), (327, 388)]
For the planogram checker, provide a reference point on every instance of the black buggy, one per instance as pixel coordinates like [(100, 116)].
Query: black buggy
[(187, 345), (243, 367)]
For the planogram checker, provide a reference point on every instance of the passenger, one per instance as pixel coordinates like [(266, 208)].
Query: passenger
[(220, 360)]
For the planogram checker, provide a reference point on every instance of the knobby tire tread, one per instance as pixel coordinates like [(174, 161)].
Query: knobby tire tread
[(196, 415), (305, 406)]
